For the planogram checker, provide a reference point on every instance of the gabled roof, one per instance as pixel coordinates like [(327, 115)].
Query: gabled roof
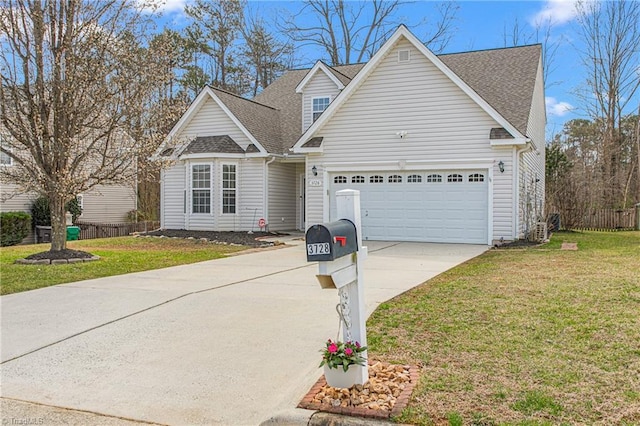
[(505, 78), (402, 31), (321, 67), (501, 81)]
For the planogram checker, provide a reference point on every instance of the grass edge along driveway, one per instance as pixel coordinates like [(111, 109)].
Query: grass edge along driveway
[(533, 336), (120, 255)]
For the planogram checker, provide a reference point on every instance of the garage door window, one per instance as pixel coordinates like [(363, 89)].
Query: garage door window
[(340, 179), (476, 177), (357, 179), (434, 178), (414, 179), (395, 179), (376, 179), (454, 178)]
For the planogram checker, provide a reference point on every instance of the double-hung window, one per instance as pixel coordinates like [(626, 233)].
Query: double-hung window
[(229, 188), (201, 188), (5, 159), (319, 105)]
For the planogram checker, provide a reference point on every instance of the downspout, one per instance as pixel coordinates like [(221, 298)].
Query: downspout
[(516, 178), (266, 192)]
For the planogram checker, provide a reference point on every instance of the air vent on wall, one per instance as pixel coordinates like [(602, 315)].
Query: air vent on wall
[(404, 55)]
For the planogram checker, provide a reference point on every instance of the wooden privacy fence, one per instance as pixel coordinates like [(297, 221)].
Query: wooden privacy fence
[(90, 230), (603, 220)]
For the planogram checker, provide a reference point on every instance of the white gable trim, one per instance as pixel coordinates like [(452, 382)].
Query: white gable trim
[(319, 66), (364, 73), (195, 107)]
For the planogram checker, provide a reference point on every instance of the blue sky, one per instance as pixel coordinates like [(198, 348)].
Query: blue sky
[(480, 25)]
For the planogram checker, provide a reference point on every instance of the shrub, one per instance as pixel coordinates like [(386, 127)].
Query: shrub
[(14, 227), (41, 212)]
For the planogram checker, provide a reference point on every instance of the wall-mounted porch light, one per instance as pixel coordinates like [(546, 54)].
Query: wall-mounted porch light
[(314, 170), (501, 166)]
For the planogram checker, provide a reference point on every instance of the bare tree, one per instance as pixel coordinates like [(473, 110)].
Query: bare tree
[(611, 35), (267, 56), (71, 74), (516, 34), (218, 23)]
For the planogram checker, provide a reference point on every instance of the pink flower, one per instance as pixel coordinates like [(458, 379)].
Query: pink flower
[(357, 345), (348, 351), (333, 348)]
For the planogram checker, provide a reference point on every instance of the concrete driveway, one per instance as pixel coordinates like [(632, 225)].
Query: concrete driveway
[(233, 341)]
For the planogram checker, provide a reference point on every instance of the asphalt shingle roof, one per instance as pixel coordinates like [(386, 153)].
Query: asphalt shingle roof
[(504, 78), (221, 143)]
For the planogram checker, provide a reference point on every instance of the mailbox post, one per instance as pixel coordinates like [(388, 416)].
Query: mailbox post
[(337, 247)]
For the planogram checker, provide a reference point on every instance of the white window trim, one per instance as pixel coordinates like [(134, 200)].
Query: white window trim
[(400, 51), (191, 189), (228, 163), (8, 156), (313, 112)]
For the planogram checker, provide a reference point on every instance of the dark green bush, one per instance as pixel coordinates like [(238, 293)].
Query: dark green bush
[(41, 212), (14, 227)]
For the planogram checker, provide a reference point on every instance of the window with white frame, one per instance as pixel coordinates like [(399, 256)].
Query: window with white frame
[(414, 178), (434, 178), (318, 106), (340, 179), (229, 188), (376, 179), (395, 179), (5, 159), (201, 188), (454, 177), (357, 179)]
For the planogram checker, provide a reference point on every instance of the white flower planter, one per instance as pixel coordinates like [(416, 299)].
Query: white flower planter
[(338, 378)]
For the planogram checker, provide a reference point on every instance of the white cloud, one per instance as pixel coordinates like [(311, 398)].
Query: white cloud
[(556, 12), (557, 109)]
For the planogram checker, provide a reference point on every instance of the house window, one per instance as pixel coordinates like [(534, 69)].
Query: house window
[(5, 159), (414, 179), (357, 179), (319, 105), (434, 178), (476, 177), (376, 179), (395, 179), (201, 188), (454, 178), (404, 55), (340, 179), (228, 188)]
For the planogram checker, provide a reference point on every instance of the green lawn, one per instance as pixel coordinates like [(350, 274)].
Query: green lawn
[(118, 256), (533, 336)]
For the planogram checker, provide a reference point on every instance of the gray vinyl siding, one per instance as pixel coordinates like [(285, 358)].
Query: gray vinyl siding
[(443, 124), (503, 222), (282, 196), (532, 164), (176, 194), (320, 86), (172, 198), (211, 120), (108, 203)]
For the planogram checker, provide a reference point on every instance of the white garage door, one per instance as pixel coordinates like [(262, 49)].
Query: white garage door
[(431, 206)]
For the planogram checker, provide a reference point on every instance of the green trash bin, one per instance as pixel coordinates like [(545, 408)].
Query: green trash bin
[(73, 233)]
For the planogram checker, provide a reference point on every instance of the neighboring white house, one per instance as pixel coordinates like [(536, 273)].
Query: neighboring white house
[(446, 148)]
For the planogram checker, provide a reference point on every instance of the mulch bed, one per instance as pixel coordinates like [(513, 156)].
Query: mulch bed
[(517, 244), (385, 394), (61, 254), (228, 237)]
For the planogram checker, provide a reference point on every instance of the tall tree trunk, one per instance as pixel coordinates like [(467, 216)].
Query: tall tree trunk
[(58, 223)]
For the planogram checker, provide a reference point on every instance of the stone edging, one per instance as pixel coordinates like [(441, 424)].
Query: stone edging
[(56, 261), (401, 402)]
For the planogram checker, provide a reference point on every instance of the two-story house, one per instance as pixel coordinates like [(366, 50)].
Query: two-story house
[(443, 148)]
